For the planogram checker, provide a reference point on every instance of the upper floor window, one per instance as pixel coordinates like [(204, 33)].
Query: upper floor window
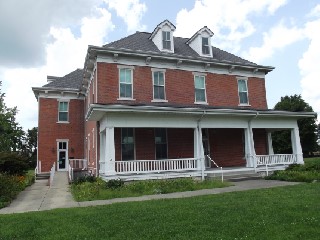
[(243, 91), (166, 40), (200, 89), (158, 85), (63, 112), (205, 46), (125, 83)]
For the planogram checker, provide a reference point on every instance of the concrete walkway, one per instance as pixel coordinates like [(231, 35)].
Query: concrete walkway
[(40, 196)]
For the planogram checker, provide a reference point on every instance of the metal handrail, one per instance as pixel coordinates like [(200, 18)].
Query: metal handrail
[(216, 166)]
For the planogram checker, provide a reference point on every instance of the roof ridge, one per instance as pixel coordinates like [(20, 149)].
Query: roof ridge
[(105, 45)]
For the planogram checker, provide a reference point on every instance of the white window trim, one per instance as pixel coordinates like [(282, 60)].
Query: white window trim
[(153, 70), (205, 54), (63, 100), (125, 98), (246, 80), (205, 89), (170, 40)]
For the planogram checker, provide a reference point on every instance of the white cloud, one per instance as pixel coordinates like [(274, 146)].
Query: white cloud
[(229, 20), (309, 66), (65, 54), (68, 52), (25, 26), (131, 11), (315, 12), (274, 40)]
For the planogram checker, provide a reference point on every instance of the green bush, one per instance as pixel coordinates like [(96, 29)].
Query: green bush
[(12, 163), (308, 172), (86, 178), (114, 184)]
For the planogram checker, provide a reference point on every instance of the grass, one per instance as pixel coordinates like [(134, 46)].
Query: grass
[(308, 172), (291, 212), (87, 191), (11, 186)]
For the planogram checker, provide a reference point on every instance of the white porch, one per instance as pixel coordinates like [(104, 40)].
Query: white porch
[(195, 119)]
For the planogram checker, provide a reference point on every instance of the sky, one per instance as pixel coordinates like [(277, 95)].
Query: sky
[(51, 37)]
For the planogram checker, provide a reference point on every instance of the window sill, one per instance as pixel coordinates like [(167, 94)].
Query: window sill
[(125, 99), (244, 105), (201, 103), (159, 100), (63, 122)]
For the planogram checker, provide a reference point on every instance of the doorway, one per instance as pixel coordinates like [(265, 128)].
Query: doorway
[(62, 156)]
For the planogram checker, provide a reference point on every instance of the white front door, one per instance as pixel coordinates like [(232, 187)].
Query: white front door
[(62, 157)]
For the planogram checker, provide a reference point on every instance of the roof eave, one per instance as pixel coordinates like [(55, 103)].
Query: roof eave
[(94, 50)]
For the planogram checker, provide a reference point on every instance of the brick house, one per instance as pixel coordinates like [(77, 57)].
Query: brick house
[(152, 105)]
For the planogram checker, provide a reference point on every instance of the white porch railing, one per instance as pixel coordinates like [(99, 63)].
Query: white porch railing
[(81, 164), (149, 166), (52, 172), (276, 159)]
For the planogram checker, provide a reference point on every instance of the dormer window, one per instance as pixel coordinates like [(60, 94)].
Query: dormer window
[(166, 40), (201, 42), (205, 45), (162, 36)]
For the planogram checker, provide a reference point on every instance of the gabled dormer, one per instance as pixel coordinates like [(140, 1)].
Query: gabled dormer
[(201, 42), (162, 36)]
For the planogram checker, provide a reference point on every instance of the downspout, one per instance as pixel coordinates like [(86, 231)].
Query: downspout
[(200, 145)]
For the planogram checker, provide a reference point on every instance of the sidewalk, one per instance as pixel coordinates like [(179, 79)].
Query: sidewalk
[(39, 196)]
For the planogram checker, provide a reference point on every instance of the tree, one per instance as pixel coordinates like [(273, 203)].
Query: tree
[(307, 127), (11, 133)]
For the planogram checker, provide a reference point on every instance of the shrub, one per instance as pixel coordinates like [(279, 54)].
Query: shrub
[(12, 163), (115, 184), (86, 178)]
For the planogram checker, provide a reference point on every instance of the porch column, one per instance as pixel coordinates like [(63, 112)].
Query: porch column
[(270, 147), (102, 151), (296, 145), (198, 148), (249, 147), (109, 152)]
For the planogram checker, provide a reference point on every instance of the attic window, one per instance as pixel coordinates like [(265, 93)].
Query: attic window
[(205, 46), (166, 41)]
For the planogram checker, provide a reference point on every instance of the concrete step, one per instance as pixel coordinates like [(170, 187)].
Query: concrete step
[(42, 176)]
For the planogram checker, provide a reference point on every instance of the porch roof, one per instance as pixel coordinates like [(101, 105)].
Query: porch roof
[(97, 111)]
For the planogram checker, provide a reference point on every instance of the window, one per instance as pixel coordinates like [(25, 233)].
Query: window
[(158, 85), (161, 143), (166, 41), (205, 46), (243, 91), (63, 111), (200, 88), (125, 82), (127, 144)]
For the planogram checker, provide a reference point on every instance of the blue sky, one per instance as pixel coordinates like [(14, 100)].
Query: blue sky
[(279, 33)]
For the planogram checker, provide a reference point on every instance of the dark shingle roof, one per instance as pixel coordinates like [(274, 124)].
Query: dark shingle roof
[(72, 80), (140, 41)]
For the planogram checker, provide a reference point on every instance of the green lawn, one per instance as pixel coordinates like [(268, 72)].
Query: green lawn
[(291, 212)]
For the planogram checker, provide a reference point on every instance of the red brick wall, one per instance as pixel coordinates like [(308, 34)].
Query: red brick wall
[(227, 147), (221, 90), (145, 144), (50, 131), (260, 141), (180, 143)]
